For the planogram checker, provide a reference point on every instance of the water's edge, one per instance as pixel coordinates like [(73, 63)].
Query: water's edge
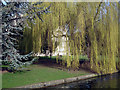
[(62, 81), (58, 82)]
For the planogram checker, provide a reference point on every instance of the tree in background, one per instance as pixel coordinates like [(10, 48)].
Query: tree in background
[(15, 17), (92, 29)]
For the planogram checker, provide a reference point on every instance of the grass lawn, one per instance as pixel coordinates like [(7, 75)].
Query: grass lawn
[(0, 81), (81, 57), (36, 74)]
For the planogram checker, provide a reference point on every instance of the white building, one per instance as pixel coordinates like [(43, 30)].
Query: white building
[(60, 36)]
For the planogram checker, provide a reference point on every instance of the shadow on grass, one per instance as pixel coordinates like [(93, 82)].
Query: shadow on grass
[(51, 62)]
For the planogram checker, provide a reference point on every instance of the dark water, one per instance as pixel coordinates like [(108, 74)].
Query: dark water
[(108, 81)]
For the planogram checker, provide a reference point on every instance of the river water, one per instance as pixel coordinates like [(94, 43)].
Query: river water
[(107, 81)]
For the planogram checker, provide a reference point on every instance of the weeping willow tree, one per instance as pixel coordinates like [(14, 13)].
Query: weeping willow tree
[(42, 32), (92, 29), (35, 37), (104, 40)]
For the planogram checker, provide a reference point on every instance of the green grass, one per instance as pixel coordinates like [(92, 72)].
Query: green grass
[(101, 58), (4, 66), (0, 81), (36, 74), (81, 57)]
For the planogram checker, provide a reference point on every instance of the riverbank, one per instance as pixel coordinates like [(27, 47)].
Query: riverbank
[(111, 81), (38, 74), (45, 75), (57, 82), (63, 81)]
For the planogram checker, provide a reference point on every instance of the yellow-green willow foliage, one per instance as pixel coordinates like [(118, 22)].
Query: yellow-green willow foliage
[(102, 35), (118, 63), (91, 25), (104, 42), (42, 32), (94, 47)]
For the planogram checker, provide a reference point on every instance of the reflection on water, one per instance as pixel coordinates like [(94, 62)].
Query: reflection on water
[(108, 81)]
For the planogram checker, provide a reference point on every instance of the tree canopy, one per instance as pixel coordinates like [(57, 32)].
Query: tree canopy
[(15, 17), (92, 29)]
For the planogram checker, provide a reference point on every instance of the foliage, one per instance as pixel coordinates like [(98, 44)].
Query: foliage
[(92, 29), (15, 16)]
